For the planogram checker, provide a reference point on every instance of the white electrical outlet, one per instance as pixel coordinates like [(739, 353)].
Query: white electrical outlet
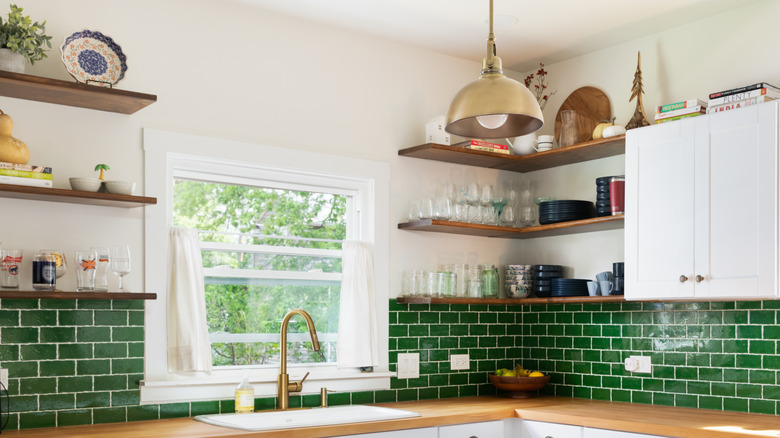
[(408, 365), (459, 361), (4, 377), (639, 364)]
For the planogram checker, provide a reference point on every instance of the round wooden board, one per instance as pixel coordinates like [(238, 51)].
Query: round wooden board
[(592, 107)]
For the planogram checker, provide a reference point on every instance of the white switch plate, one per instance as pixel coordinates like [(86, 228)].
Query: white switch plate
[(459, 361), (639, 364), (408, 365), (4, 377)]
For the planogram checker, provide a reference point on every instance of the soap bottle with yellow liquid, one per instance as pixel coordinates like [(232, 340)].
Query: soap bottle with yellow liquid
[(245, 396)]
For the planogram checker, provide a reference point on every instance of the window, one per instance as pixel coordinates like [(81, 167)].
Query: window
[(270, 235), (266, 249)]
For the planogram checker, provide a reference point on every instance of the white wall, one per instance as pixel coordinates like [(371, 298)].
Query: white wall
[(688, 62), (225, 70)]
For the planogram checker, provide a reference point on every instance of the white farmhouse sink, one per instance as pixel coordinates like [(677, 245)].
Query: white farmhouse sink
[(270, 420)]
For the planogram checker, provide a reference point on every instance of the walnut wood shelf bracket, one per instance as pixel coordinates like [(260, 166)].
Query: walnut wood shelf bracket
[(36, 88)]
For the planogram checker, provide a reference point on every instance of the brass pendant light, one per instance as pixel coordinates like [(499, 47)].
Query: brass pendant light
[(493, 106)]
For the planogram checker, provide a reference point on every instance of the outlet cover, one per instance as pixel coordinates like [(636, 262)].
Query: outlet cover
[(4, 377), (408, 365), (639, 364), (459, 361)]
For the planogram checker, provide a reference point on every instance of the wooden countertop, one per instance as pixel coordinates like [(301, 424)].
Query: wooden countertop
[(648, 419)]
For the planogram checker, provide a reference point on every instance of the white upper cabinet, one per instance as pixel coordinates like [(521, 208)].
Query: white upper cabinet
[(701, 207)]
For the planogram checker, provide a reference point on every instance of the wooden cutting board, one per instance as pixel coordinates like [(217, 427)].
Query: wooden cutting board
[(592, 107)]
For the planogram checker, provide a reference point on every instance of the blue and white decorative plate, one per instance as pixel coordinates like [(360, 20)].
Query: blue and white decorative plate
[(93, 58)]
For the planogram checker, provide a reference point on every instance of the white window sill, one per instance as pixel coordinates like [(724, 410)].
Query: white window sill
[(221, 388)]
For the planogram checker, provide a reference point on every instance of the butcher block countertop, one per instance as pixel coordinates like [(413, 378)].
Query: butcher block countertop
[(629, 417)]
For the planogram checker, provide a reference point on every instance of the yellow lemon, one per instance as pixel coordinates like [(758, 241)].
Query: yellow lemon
[(536, 374), (510, 374)]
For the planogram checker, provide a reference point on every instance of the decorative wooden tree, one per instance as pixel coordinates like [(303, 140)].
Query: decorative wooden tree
[(639, 118)]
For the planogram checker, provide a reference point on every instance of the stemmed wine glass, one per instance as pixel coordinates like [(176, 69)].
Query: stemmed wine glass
[(120, 263)]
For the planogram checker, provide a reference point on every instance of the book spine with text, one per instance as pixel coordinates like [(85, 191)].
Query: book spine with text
[(742, 89), (739, 104), (33, 182), (745, 95), (489, 149), (26, 174), (486, 144), (679, 106), (680, 112), (672, 119), (25, 167)]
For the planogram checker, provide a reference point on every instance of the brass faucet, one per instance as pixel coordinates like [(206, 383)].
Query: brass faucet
[(284, 386)]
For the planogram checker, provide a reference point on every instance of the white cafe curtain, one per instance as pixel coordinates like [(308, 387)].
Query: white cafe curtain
[(189, 349), (357, 337)]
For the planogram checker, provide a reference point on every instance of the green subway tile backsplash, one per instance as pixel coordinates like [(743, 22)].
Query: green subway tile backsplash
[(79, 361)]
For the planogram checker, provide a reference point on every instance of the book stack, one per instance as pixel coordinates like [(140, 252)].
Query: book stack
[(25, 175), (481, 145), (742, 97), (680, 110)]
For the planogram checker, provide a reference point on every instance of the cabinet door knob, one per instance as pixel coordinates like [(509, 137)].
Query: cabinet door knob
[(699, 278), (683, 279)]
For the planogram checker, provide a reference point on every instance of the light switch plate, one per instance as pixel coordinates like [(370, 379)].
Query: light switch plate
[(408, 365), (459, 361)]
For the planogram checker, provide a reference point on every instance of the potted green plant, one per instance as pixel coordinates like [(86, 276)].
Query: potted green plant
[(21, 39)]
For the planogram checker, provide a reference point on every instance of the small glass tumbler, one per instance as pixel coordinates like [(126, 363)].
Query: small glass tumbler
[(101, 269), (86, 265), (44, 275), (11, 266)]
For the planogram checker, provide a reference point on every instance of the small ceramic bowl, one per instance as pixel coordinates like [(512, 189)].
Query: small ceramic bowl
[(85, 184), (119, 187)]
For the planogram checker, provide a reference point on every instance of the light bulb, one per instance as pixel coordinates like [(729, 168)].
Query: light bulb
[(492, 121)]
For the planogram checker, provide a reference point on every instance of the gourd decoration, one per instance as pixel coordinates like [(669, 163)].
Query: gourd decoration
[(608, 129), (11, 149)]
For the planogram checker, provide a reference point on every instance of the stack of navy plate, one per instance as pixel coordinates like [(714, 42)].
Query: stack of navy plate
[(603, 205), (569, 287), (551, 212), (543, 276)]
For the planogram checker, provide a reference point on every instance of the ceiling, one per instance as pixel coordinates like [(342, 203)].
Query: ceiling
[(546, 30)]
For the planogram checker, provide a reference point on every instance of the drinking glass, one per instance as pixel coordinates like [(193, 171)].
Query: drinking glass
[(101, 271), (86, 263), (60, 261), (507, 217), (120, 263), (486, 194)]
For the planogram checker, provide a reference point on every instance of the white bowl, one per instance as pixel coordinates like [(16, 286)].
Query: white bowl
[(119, 187), (85, 184)]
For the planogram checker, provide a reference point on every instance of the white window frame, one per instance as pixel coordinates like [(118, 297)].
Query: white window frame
[(169, 154)]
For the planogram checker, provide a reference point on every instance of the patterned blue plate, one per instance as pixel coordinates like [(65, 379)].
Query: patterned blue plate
[(93, 58)]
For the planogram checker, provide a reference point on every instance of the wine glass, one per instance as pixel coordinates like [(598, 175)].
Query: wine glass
[(120, 263)]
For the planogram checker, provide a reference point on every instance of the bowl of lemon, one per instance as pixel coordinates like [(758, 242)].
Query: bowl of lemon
[(519, 382)]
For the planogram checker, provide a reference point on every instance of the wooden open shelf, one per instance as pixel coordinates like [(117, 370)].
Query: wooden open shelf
[(559, 229), (512, 301), (74, 196), (62, 295), (577, 153), (22, 86)]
